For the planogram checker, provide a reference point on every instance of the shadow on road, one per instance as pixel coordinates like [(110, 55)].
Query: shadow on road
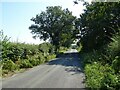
[(71, 61)]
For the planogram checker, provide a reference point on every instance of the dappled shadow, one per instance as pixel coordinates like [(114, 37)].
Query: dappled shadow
[(71, 61)]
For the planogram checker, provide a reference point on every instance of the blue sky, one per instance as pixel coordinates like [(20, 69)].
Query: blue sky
[(16, 15)]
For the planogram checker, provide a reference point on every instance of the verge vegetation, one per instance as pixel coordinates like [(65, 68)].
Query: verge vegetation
[(17, 57), (100, 41), (98, 32)]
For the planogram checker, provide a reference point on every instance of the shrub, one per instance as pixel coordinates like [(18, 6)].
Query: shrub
[(101, 77), (34, 62), (116, 64), (33, 52), (110, 82), (25, 54), (14, 52), (4, 44), (114, 46), (91, 57), (49, 57), (25, 64), (0, 72), (4, 72), (17, 55), (41, 58), (46, 48), (93, 75), (9, 65)]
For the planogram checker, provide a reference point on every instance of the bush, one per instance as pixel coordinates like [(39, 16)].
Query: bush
[(9, 65), (26, 53), (25, 64), (110, 82), (105, 73), (116, 64), (46, 48), (17, 55), (50, 57), (35, 62), (41, 58), (4, 72), (62, 49), (14, 52), (0, 72), (93, 56), (114, 46), (101, 77), (93, 75)]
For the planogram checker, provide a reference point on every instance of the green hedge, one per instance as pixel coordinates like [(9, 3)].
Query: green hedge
[(9, 65), (17, 56), (101, 77), (25, 64), (102, 67), (20, 55)]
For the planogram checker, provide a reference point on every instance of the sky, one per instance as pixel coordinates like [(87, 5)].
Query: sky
[(16, 15)]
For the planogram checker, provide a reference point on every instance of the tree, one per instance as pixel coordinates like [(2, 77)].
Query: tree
[(54, 24), (98, 24)]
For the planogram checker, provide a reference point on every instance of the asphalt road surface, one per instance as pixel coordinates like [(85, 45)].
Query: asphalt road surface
[(63, 72)]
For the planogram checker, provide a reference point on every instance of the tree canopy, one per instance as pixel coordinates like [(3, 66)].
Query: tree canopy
[(98, 23), (54, 24)]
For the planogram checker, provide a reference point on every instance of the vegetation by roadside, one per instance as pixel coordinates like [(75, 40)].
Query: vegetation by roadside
[(98, 30), (17, 57), (55, 24), (102, 66), (101, 45)]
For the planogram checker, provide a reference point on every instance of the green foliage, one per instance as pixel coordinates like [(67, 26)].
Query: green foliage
[(4, 72), (35, 62), (116, 64), (50, 57), (110, 82), (100, 38), (92, 57), (104, 73), (16, 56), (4, 44), (46, 48), (79, 46), (14, 52), (106, 54), (9, 65), (41, 57), (25, 64), (98, 24), (101, 77), (93, 75), (56, 25), (62, 49), (114, 46)]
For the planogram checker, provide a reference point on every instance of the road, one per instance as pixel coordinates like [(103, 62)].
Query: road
[(63, 72)]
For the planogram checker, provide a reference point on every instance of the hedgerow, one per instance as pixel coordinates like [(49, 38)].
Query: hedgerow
[(102, 67), (16, 56)]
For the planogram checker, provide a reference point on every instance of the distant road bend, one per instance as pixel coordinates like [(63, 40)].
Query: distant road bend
[(63, 72)]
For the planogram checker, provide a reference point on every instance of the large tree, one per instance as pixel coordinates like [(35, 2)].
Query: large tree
[(54, 24), (98, 24)]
